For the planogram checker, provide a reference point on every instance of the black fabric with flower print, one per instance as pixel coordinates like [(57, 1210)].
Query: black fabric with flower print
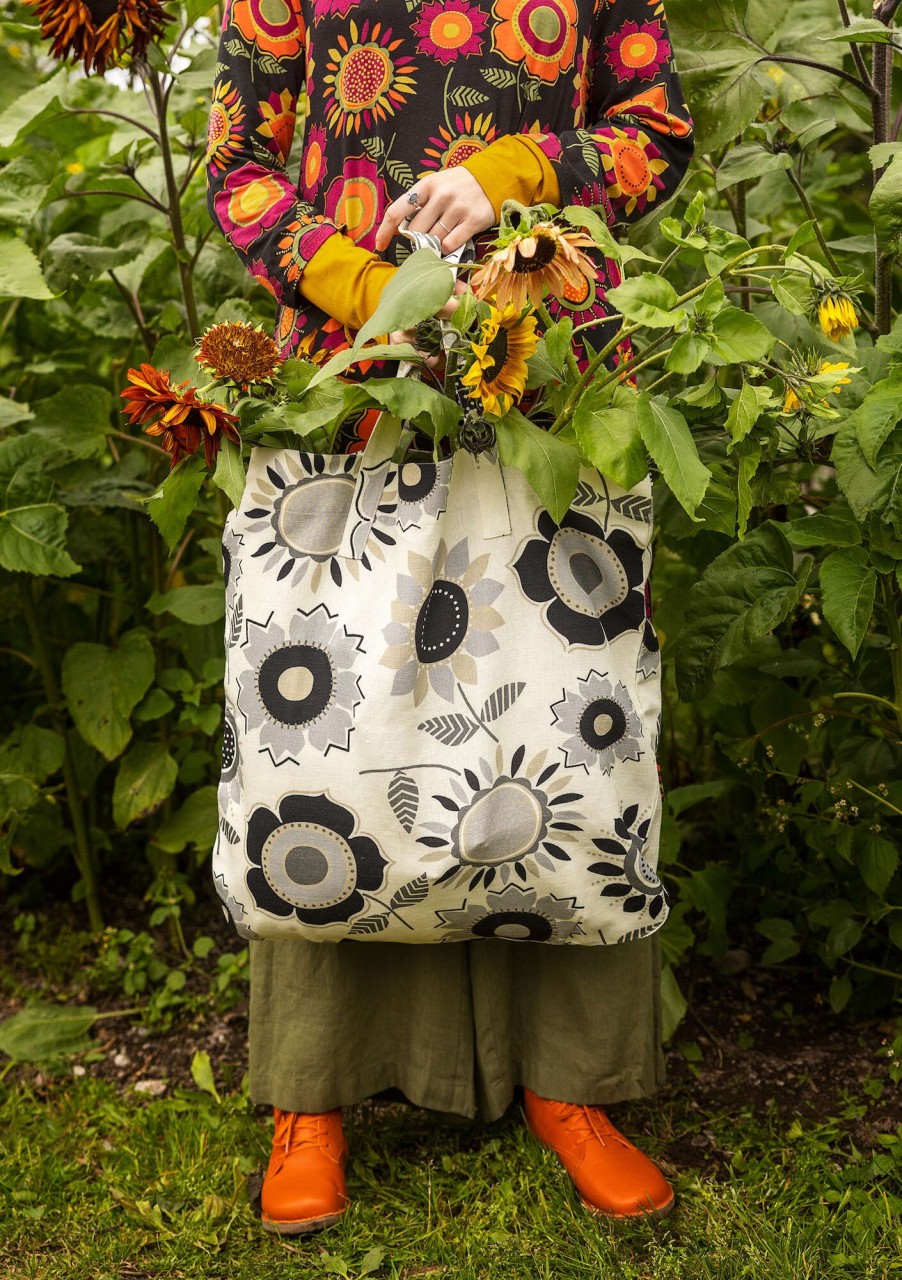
[(398, 89)]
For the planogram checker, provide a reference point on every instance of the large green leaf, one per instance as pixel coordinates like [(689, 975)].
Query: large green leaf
[(870, 490), (877, 414), (669, 441), (24, 110), (172, 504), (410, 399), (421, 286), (146, 777), (43, 1032), (848, 587), (647, 299), (33, 540), (742, 595), (886, 204), (745, 411), (835, 526), (550, 465), (749, 160), (76, 419), (609, 438), (20, 270), (193, 824), (196, 605), (103, 686), (737, 337), (357, 355), (229, 474)]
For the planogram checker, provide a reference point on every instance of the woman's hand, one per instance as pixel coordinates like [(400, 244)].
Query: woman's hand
[(445, 312), (452, 206)]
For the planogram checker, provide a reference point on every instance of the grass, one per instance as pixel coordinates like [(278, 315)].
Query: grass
[(99, 1184)]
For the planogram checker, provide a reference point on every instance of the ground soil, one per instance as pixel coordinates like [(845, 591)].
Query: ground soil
[(756, 1037)]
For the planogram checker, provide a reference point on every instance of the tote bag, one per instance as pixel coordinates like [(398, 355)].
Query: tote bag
[(441, 708)]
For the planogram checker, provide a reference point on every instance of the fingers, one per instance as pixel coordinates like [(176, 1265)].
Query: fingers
[(398, 211)]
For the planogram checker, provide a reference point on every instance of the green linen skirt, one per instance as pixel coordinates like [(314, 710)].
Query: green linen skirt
[(453, 1027)]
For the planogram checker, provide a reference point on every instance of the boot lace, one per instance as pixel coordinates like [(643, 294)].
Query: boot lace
[(586, 1123), (295, 1130)]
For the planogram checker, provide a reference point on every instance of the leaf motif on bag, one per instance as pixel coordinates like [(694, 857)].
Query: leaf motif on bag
[(400, 172), (451, 730), (237, 621), (228, 831), (404, 798), (467, 96), (499, 77), (585, 495), (633, 505), (369, 924), (590, 156), (409, 894), (504, 697)]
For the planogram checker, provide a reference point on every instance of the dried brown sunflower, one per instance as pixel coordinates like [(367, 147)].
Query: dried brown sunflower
[(238, 352), (100, 32), (543, 259), (183, 421)]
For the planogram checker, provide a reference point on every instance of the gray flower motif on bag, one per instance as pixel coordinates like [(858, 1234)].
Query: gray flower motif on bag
[(515, 913), (649, 651), (231, 565), (600, 722), (630, 876), (422, 490), (229, 777), (300, 687), (506, 823), (442, 621), (297, 515)]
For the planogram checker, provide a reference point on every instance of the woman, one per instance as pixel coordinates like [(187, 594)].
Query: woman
[(429, 117)]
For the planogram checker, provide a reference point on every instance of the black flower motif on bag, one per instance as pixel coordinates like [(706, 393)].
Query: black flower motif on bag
[(630, 877), (422, 491), (600, 724), (515, 913), (504, 823), (306, 860), (300, 686), (590, 581)]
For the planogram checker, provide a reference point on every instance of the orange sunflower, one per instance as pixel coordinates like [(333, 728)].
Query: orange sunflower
[(451, 148), (633, 165), (278, 123), (543, 33), (237, 352), (182, 421), (100, 33), (544, 258), (366, 78), (224, 131)]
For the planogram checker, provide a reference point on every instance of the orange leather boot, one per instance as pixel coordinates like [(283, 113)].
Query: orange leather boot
[(304, 1185), (611, 1175)]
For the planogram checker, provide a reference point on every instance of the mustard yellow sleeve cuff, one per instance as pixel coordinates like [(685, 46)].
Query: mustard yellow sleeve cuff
[(514, 167), (345, 280)]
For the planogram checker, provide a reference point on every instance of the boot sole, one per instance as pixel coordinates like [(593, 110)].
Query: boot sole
[(642, 1214), (302, 1226)]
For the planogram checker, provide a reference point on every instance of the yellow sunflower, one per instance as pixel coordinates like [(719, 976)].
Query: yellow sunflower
[(836, 313), (544, 259), (497, 375), (792, 402)]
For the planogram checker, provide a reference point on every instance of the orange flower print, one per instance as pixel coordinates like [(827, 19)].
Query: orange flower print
[(274, 26), (251, 200), (313, 161), (224, 131), (356, 199), (541, 33), (638, 52), (452, 148), (633, 165), (653, 107), (366, 79), (278, 123)]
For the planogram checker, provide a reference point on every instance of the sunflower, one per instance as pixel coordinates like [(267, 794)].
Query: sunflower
[(100, 32), (836, 312), (176, 414), (237, 352), (807, 367), (497, 376), (544, 258)]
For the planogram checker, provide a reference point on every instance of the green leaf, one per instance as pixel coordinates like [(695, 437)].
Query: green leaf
[(550, 465), (609, 439), (26, 107), (195, 605), (76, 418), (421, 286), (748, 454), (35, 753), (193, 824), (229, 474), (749, 160), (579, 215), (20, 270), (648, 299), (669, 441), (673, 1003), (739, 338), (43, 1032), (202, 1073), (877, 415), (885, 204), (862, 31), (172, 504), (103, 686), (878, 863), (840, 991), (410, 399), (688, 353), (355, 355), (742, 595), (833, 527), (146, 777), (33, 540), (848, 587), (745, 411)]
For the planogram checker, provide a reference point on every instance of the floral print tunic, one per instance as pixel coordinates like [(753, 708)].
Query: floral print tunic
[(398, 89)]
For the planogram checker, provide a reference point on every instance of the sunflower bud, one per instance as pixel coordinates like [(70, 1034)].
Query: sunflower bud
[(428, 335), (476, 434)]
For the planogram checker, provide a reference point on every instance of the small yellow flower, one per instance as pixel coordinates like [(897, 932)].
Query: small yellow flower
[(837, 315), (75, 167), (497, 375), (792, 403), (833, 366)]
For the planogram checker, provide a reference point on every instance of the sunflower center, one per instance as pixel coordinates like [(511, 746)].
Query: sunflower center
[(102, 9), (496, 352), (442, 622), (546, 252), (518, 926), (501, 825)]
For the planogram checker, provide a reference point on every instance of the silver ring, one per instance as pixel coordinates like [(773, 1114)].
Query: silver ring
[(413, 197), (444, 224)]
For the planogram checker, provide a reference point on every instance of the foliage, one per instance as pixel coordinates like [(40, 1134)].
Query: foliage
[(768, 400)]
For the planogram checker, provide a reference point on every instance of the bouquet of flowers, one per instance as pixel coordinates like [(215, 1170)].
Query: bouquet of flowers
[(489, 377)]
